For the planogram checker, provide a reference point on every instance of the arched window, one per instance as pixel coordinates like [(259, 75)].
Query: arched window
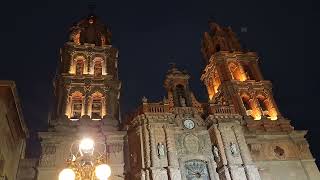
[(76, 105), (210, 88), (96, 106), (236, 72), (79, 67), (98, 69)]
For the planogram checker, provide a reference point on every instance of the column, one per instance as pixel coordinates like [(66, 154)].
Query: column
[(173, 168), (250, 168), (146, 151)]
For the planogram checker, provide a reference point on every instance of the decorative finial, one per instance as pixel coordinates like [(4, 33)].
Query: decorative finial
[(144, 99)]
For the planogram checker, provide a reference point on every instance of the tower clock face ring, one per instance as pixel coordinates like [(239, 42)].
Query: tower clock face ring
[(188, 123)]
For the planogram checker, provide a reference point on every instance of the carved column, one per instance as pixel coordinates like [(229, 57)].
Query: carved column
[(223, 169), (235, 163), (250, 168), (154, 156), (146, 150), (173, 168)]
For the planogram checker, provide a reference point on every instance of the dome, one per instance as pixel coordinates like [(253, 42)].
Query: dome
[(90, 30)]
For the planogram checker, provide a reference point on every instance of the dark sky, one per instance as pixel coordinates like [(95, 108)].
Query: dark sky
[(150, 34)]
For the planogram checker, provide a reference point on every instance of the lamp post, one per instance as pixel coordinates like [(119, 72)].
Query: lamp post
[(86, 162)]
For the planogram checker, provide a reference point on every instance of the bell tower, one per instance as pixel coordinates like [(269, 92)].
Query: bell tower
[(233, 73), (87, 84), (87, 92)]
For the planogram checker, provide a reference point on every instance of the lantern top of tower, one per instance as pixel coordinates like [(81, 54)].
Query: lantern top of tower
[(90, 30)]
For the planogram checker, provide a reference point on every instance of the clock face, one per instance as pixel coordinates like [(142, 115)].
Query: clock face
[(189, 124)]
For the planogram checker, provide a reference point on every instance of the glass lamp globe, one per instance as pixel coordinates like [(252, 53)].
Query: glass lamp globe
[(67, 174), (86, 146), (103, 171)]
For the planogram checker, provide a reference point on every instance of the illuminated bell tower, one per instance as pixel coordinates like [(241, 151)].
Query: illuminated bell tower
[(87, 92), (244, 122), (87, 84), (234, 74)]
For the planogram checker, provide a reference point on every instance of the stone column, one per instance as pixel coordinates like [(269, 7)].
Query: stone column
[(235, 163), (154, 156), (250, 168), (223, 170), (173, 168), (146, 151)]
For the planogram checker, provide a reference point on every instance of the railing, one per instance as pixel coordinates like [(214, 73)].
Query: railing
[(219, 109), (155, 108), (148, 108)]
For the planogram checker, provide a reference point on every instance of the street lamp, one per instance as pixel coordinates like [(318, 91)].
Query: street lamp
[(86, 162)]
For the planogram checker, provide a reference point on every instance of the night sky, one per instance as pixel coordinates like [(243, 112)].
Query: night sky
[(151, 34)]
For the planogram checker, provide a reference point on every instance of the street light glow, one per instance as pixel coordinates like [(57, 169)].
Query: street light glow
[(67, 174), (86, 146), (103, 171)]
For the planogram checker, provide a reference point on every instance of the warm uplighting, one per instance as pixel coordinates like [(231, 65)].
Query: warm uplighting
[(103, 171), (67, 174), (86, 146)]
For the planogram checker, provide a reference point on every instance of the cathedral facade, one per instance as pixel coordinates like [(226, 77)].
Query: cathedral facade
[(238, 134)]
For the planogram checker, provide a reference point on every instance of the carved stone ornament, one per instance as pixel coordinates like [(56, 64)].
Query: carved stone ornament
[(191, 143), (279, 152), (182, 101), (234, 149), (161, 150), (216, 154)]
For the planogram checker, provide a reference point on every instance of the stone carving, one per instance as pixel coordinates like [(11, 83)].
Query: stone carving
[(182, 101), (144, 99), (161, 150), (114, 147), (279, 152), (196, 169), (191, 143), (255, 147), (48, 155), (216, 153), (234, 149)]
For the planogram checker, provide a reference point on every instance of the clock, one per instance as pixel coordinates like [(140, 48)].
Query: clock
[(188, 123)]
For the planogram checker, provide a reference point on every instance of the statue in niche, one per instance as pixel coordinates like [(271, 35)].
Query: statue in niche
[(161, 150), (234, 149), (182, 101), (216, 153)]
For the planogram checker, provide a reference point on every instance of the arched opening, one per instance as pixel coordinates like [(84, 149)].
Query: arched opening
[(181, 95), (103, 40), (250, 107), (76, 105), (218, 48), (248, 71), (267, 107), (216, 80), (246, 103), (210, 88), (76, 38), (97, 106), (237, 72), (79, 67), (97, 69)]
